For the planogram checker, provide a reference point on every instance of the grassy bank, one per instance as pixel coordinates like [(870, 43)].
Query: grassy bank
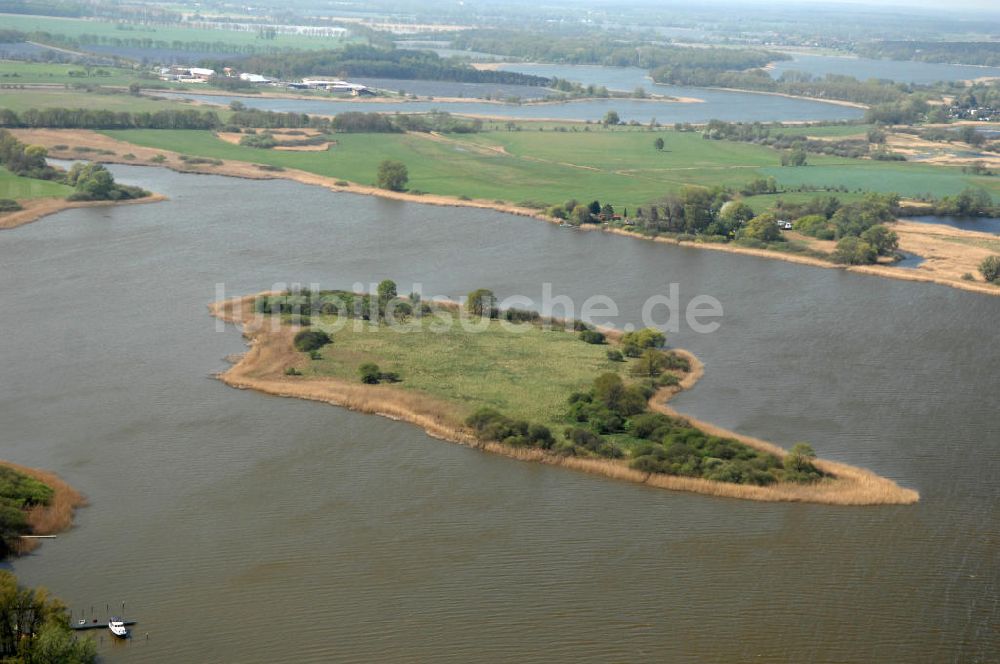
[(20, 188), (439, 379)]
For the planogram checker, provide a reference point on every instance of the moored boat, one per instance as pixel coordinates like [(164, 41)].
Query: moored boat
[(117, 627)]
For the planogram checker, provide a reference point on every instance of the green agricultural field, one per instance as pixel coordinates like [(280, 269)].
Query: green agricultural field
[(906, 178), (18, 188), (621, 166), (539, 369), (74, 27), (22, 100), (32, 73)]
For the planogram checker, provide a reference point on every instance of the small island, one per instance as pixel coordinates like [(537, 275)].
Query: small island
[(512, 382)]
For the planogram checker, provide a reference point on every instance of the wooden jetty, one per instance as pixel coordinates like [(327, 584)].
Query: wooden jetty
[(96, 623)]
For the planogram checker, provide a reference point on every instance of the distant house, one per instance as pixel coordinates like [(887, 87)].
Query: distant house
[(186, 74), (335, 86), (254, 78), (200, 73)]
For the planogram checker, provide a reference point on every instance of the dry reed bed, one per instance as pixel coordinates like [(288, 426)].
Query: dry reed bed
[(54, 517), (271, 350)]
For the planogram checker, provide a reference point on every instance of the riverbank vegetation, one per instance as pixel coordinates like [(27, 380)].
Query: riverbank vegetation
[(32, 502), (19, 493), (34, 628), (543, 167), (963, 52), (92, 181), (549, 163)]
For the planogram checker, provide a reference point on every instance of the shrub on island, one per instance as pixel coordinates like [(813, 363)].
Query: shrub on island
[(670, 445), (308, 341), (990, 269), (490, 425)]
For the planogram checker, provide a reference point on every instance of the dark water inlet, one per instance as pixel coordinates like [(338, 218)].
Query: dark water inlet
[(252, 528)]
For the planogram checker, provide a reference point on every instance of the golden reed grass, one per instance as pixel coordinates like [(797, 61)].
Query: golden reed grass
[(55, 517), (271, 351)]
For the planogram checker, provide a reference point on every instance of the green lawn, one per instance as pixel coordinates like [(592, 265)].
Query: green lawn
[(18, 188), (532, 371), (620, 167)]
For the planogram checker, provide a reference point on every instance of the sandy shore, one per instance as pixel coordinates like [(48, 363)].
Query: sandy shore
[(948, 252), (836, 102), (271, 351), (36, 208), (54, 518), (945, 260)]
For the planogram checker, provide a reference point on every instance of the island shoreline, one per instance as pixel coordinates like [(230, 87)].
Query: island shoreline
[(852, 486)]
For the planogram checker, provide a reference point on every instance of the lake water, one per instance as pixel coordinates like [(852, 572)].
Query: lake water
[(894, 70), (732, 106), (455, 89), (244, 527), (982, 224)]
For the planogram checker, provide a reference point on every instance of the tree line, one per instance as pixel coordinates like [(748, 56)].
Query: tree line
[(85, 40), (967, 53), (771, 135), (379, 123), (830, 86), (84, 118), (361, 60), (600, 49)]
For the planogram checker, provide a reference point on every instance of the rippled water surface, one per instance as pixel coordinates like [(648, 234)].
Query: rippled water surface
[(243, 527)]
